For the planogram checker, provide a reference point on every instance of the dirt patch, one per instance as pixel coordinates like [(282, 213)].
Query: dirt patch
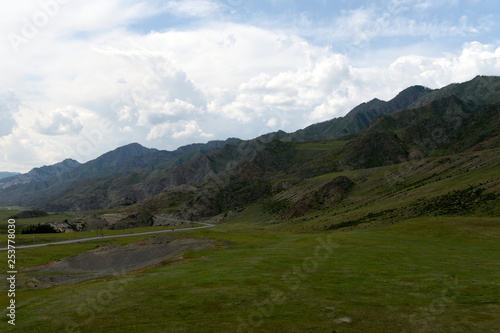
[(112, 259)]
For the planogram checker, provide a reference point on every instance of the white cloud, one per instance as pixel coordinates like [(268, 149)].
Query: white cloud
[(29, 23), (291, 94), (178, 130), (164, 112), (62, 121), (17, 153), (159, 99), (9, 104), (474, 59), (192, 8), (408, 5), (361, 28), (166, 89)]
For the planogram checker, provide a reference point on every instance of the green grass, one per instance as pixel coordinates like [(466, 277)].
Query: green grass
[(57, 217), (5, 214), (421, 275), (45, 254), (45, 219), (57, 237)]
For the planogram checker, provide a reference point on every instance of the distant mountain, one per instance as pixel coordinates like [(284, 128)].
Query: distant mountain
[(33, 191), (360, 117), (417, 123), (445, 127), (480, 91), (5, 174), (39, 174), (115, 161)]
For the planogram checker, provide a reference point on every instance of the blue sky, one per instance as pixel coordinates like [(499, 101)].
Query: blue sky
[(82, 77)]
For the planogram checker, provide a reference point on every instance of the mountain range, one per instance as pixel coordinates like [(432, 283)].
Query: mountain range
[(37, 175), (203, 180)]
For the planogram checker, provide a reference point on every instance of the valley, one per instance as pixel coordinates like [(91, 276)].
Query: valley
[(385, 220)]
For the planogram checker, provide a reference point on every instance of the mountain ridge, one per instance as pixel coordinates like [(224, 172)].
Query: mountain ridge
[(359, 117), (373, 134), (7, 174), (39, 174), (120, 160)]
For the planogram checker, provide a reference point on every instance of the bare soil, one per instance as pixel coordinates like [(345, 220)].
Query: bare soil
[(111, 259)]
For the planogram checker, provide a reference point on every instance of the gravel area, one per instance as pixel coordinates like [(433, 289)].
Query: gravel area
[(111, 259)]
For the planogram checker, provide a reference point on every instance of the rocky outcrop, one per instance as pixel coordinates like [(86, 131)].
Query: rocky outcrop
[(329, 194)]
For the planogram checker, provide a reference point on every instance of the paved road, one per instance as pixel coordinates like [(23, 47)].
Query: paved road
[(205, 225)]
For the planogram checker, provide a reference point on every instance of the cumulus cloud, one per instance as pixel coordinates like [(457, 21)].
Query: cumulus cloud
[(291, 95), (172, 87), (62, 121), (331, 86), (165, 112), (162, 101), (17, 153), (178, 130)]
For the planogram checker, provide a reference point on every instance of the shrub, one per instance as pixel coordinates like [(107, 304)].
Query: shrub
[(39, 229)]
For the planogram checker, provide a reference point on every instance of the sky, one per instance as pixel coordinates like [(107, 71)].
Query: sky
[(83, 77)]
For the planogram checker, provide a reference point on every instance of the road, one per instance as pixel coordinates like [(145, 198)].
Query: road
[(205, 225)]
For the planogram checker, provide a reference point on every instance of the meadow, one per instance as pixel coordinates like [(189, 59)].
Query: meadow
[(431, 274)]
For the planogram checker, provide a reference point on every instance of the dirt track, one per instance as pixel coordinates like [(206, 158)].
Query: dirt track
[(204, 225)]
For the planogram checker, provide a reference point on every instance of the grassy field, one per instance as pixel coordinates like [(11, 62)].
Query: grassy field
[(421, 275), (29, 239), (58, 237)]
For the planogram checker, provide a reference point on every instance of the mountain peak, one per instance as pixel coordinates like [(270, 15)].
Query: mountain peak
[(131, 150), (68, 163), (39, 174), (120, 155), (361, 116), (409, 95), (133, 145)]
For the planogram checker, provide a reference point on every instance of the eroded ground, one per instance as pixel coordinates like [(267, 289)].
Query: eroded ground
[(111, 259)]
